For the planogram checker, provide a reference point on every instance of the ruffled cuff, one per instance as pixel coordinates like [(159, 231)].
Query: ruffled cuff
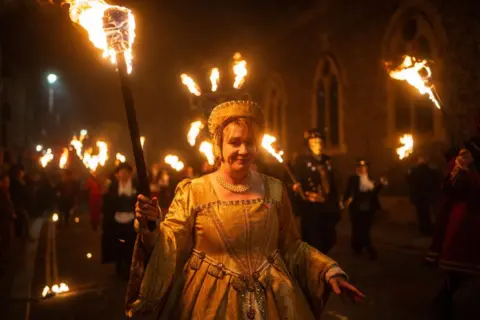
[(335, 271)]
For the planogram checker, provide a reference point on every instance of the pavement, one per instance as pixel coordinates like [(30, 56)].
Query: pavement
[(397, 284)]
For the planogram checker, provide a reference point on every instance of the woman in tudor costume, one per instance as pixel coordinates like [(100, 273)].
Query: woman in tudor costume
[(228, 247), (118, 236), (456, 244)]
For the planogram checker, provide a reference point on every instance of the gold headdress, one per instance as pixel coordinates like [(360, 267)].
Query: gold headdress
[(234, 109), (230, 110)]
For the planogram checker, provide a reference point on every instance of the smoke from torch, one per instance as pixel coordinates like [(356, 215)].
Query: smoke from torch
[(240, 70), (190, 84)]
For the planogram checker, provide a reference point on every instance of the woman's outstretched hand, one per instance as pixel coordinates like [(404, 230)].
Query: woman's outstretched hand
[(342, 287), (146, 209)]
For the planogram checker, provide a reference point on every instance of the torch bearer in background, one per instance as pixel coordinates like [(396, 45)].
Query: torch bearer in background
[(267, 144), (112, 29)]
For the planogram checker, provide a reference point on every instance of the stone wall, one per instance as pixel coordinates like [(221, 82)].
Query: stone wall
[(353, 33)]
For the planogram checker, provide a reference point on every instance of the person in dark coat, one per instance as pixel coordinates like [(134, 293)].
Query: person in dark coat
[(118, 237), (316, 195), (21, 202), (424, 184), (69, 191), (361, 199)]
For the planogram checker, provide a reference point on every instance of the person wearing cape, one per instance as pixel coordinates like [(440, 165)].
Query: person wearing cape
[(228, 247)]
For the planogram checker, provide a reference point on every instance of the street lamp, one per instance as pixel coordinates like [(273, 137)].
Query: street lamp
[(52, 78)]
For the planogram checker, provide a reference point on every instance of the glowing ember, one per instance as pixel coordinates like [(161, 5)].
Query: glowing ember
[(410, 71), (240, 70), (190, 84), (206, 148), (55, 217), (267, 144), (89, 255), (174, 162), (195, 128), (110, 28), (63, 159), (39, 148), (214, 78), (120, 157), (142, 141), (46, 158), (407, 146)]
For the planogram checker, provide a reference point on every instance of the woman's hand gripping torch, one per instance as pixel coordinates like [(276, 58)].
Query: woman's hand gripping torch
[(267, 144)]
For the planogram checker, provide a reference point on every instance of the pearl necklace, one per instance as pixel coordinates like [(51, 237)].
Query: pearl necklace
[(238, 188)]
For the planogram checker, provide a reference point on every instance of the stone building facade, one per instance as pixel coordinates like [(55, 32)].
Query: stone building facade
[(326, 70)]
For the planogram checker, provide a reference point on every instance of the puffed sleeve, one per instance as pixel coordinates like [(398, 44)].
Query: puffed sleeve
[(172, 245), (311, 268)]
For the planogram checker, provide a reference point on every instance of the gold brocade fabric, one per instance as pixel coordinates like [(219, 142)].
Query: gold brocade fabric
[(232, 260)]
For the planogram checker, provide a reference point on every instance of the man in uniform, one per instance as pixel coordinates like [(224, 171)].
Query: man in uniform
[(317, 199)]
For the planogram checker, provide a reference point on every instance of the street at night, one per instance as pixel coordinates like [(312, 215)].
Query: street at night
[(239, 160), (398, 285)]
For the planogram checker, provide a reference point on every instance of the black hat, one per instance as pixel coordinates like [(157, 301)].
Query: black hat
[(124, 165), (313, 133), (361, 162)]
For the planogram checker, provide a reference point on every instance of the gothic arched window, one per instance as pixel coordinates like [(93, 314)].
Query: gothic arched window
[(275, 104), (411, 34), (328, 102)]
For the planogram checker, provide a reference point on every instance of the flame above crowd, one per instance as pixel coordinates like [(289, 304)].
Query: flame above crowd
[(267, 144), (174, 162), (195, 128)]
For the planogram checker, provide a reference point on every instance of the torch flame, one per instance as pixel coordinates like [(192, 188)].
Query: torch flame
[(214, 78), (174, 162), (195, 128), (63, 159), (142, 141), (77, 145), (102, 152), (110, 28), (207, 149), (120, 157), (409, 71), (407, 146), (46, 158), (190, 84), (267, 144), (240, 70)]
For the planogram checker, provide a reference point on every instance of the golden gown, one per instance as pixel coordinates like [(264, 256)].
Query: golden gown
[(240, 259)]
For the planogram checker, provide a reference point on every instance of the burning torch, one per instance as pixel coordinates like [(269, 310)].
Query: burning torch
[(419, 75), (112, 29), (267, 144)]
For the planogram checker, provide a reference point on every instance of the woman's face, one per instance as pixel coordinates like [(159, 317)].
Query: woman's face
[(238, 146)]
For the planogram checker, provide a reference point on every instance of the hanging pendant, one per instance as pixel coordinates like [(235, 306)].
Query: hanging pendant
[(251, 314)]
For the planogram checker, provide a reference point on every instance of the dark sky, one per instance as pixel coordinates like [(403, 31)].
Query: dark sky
[(172, 37)]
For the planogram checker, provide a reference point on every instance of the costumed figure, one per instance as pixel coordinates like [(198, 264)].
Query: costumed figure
[(424, 187), (361, 199), (94, 188), (319, 209), (118, 238), (456, 243), (69, 190), (228, 247)]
